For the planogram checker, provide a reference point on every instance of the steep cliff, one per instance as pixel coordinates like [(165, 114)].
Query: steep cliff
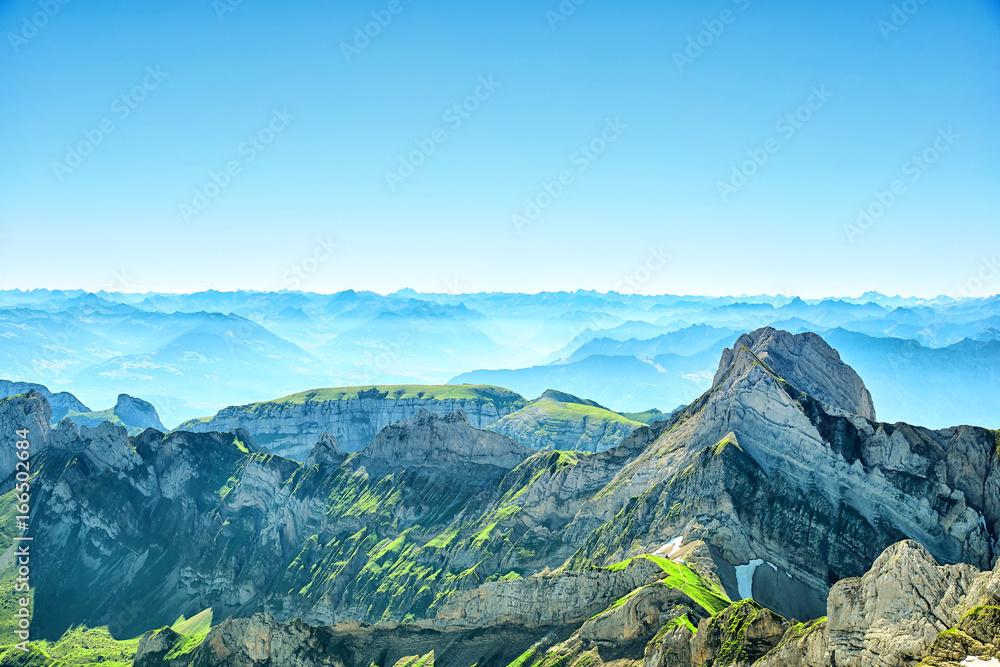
[(354, 415)]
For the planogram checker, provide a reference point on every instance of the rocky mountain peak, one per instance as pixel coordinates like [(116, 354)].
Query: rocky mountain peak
[(325, 451), (446, 442), (805, 361), (137, 412)]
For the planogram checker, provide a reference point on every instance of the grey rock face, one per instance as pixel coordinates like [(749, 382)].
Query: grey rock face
[(907, 609), (28, 411), (891, 615), (808, 363), (447, 443), (291, 428), (563, 598)]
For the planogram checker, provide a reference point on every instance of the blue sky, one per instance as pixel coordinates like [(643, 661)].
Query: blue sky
[(311, 206)]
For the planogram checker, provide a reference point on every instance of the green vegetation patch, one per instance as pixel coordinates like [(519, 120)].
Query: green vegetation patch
[(457, 392), (703, 591), (78, 646), (198, 624), (645, 417)]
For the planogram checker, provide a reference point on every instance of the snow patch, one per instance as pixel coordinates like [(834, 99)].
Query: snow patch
[(670, 548), (773, 566), (744, 578), (973, 661)]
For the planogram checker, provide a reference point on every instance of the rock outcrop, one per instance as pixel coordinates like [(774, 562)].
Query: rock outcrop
[(325, 452), (891, 615), (742, 634), (442, 443)]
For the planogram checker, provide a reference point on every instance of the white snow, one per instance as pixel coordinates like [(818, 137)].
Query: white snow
[(744, 578), (773, 566), (973, 661), (673, 546)]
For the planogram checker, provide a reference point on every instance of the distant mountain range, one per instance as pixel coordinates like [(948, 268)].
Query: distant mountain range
[(194, 354)]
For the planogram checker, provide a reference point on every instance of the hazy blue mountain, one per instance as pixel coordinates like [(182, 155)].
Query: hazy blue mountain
[(684, 342), (281, 342), (37, 345), (223, 361), (422, 339), (622, 383), (556, 332), (135, 414), (934, 387), (61, 402)]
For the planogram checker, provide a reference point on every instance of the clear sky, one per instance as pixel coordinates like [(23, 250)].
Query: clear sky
[(312, 119)]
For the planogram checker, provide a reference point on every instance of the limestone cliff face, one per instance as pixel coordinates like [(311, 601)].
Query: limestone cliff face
[(892, 614), (134, 414), (353, 416), (22, 411)]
